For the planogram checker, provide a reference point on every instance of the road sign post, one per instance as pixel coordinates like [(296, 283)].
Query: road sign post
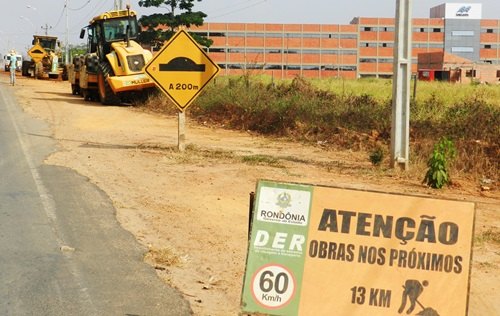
[(182, 69)]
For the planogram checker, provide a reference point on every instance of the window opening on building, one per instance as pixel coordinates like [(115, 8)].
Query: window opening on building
[(462, 49), (462, 33), (471, 73), (329, 36), (385, 60), (348, 36)]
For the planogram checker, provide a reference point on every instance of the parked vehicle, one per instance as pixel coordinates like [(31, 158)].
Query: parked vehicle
[(45, 56), (19, 61), (112, 70)]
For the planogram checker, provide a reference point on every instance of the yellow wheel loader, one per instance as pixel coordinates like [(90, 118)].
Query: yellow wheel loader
[(113, 67)]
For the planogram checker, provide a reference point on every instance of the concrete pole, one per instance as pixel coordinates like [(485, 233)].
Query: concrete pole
[(66, 59), (400, 128)]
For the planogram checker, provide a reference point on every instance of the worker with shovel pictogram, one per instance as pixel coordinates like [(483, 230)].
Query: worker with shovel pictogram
[(412, 290)]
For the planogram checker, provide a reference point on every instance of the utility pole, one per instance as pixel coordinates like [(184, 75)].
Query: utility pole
[(46, 28), (118, 4), (66, 48), (400, 128)]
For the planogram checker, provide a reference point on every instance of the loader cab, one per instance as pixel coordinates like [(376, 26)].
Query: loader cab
[(49, 43), (91, 38), (120, 29), (105, 30)]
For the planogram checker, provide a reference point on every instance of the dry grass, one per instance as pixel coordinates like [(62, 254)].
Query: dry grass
[(491, 235), (164, 257), (355, 115)]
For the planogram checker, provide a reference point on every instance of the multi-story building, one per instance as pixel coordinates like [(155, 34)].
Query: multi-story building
[(363, 48)]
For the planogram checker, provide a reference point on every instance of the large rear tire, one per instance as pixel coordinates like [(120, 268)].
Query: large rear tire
[(25, 69), (75, 89), (106, 94)]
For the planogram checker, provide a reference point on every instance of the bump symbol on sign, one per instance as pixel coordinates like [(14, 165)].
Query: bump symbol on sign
[(182, 64)]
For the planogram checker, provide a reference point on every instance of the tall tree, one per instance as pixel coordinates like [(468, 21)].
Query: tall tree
[(160, 27)]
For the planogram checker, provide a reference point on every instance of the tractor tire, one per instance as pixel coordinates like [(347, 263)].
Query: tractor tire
[(85, 94), (75, 89), (39, 74), (25, 69), (106, 94)]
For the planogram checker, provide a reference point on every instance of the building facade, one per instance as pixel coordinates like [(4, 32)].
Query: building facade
[(363, 48)]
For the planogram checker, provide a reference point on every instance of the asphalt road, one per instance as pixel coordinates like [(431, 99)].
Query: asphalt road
[(62, 252)]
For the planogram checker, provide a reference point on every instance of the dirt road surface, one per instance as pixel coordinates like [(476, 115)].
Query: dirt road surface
[(191, 208)]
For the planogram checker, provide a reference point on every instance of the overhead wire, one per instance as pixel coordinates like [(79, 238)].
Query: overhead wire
[(80, 8), (88, 16), (233, 5), (60, 17), (240, 9)]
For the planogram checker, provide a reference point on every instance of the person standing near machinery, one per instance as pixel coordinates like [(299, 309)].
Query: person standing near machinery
[(12, 67)]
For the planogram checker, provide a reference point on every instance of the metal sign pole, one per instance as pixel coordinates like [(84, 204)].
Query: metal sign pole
[(181, 70), (181, 131), (400, 129)]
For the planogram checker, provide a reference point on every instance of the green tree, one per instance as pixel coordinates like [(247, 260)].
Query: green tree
[(79, 49), (160, 27)]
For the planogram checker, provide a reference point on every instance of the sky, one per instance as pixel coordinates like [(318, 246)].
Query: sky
[(26, 17)]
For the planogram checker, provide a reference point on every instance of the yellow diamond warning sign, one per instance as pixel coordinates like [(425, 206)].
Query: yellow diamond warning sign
[(37, 53), (181, 69)]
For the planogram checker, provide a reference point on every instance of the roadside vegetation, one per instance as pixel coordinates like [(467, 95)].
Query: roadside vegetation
[(356, 115)]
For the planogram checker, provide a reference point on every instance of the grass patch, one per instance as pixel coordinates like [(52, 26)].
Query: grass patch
[(262, 160), (488, 236), (294, 159), (356, 115), (163, 257)]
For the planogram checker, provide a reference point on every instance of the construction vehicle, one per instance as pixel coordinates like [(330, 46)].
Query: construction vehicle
[(7, 57), (73, 70), (45, 56), (112, 70)]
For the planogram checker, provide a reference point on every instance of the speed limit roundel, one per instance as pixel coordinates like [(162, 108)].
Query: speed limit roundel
[(273, 286)]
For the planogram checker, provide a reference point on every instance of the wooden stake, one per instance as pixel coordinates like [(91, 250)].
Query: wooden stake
[(182, 131)]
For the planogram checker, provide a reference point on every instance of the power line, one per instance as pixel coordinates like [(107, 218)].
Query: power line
[(234, 5), (83, 6), (86, 18), (240, 9), (60, 17)]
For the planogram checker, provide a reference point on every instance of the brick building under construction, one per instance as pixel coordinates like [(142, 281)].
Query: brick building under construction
[(363, 48)]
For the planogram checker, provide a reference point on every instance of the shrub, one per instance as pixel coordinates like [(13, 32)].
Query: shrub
[(356, 115), (377, 155), (437, 175)]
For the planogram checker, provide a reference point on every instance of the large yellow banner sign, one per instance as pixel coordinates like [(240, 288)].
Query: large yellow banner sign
[(358, 253)]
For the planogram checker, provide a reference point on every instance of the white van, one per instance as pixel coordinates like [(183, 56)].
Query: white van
[(19, 62)]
